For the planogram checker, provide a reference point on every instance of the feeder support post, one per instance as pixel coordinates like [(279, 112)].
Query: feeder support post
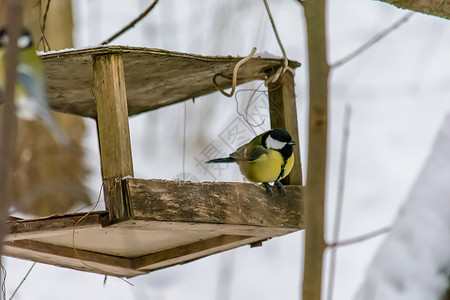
[(113, 130), (283, 114)]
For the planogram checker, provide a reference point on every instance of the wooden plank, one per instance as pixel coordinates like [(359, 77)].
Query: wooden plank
[(217, 229), (67, 257), (283, 114), (217, 203), (112, 120), (187, 253), (113, 130), (19, 229), (154, 78)]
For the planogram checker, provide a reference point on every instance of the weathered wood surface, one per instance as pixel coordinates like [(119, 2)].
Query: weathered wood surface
[(219, 203), (154, 77), (19, 229), (112, 118), (168, 223), (283, 114), (438, 8), (187, 253), (67, 257)]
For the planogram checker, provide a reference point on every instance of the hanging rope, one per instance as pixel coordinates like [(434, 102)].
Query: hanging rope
[(234, 79), (285, 67)]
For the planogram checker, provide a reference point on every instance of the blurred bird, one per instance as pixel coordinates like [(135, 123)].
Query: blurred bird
[(269, 157), (30, 91)]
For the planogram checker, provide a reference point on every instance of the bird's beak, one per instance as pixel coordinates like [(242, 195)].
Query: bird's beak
[(291, 143)]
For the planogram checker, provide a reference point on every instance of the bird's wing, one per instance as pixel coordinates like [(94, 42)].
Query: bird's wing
[(247, 153), (34, 86)]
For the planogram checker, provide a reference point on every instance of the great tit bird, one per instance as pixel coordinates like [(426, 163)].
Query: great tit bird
[(269, 157), (30, 91)]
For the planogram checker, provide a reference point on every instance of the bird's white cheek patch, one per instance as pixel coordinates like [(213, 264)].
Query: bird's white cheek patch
[(274, 144)]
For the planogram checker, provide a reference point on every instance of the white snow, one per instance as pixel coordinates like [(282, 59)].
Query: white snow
[(414, 261)]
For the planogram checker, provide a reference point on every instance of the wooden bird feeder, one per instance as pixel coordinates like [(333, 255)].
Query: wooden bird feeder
[(152, 224)]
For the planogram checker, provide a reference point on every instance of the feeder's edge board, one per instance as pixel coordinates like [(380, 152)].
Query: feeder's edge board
[(69, 76), (99, 263), (67, 257), (117, 49), (229, 203)]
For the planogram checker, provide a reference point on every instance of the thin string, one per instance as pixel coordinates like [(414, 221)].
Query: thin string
[(184, 140), (285, 67), (234, 79), (23, 279), (73, 239)]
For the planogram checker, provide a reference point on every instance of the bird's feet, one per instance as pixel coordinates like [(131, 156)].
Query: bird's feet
[(281, 188), (269, 189)]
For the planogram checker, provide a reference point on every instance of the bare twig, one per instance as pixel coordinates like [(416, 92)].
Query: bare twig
[(372, 41), (42, 24), (340, 198), (134, 22), (361, 238), (23, 279)]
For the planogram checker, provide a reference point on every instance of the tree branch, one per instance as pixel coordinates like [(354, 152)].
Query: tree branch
[(134, 22), (9, 121), (438, 8), (317, 148), (372, 41)]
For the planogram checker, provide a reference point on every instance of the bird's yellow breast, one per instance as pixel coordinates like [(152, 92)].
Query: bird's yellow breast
[(267, 167)]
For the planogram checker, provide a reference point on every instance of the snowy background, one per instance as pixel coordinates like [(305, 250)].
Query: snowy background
[(398, 91)]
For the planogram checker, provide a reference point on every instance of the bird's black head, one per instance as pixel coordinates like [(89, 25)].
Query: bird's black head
[(280, 140), (25, 39)]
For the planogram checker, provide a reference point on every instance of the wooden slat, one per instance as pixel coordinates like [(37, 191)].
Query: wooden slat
[(191, 252), (113, 130), (19, 229), (67, 257), (112, 120), (154, 77), (283, 114), (217, 203), (217, 229)]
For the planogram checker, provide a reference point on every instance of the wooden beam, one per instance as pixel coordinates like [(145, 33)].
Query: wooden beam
[(19, 229), (217, 229), (216, 203), (113, 130), (283, 114), (67, 257), (436, 8), (187, 253), (112, 116)]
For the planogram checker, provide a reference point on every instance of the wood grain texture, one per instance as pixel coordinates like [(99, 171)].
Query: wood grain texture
[(66, 257), (438, 8), (112, 119), (168, 223), (283, 114), (187, 253), (218, 203), (19, 229), (154, 78)]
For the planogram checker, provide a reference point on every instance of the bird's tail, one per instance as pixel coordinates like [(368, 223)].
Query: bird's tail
[(56, 131), (221, 160)]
